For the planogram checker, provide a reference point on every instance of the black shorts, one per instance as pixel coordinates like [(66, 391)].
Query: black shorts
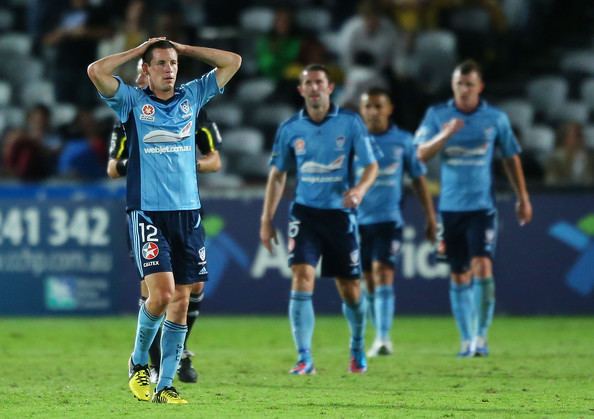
[(326, 233), (468, 234), (381, 242), (169, 241)]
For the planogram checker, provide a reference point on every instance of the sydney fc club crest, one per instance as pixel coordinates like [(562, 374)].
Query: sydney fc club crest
[(202, 253), (147, 113), (340, 142), (185, 108), (150, 251)]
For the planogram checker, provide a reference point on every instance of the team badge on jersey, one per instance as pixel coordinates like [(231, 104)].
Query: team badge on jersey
[(340, 142), (489, 132), (354, 257), (148, 113), (186, 108), (299, 146), (202, 253), (150, 251)]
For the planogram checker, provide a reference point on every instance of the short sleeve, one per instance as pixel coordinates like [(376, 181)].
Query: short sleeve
[(204, 89), (428, 128), (281, 151), (363, 143), (122, 101)]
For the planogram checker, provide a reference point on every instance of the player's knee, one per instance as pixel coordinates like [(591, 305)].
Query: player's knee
[(481, 267)]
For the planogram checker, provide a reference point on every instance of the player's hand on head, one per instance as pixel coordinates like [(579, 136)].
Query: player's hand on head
[(524, 211), (150, 41)]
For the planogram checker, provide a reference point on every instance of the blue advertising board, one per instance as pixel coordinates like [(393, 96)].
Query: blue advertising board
[(63, 250)]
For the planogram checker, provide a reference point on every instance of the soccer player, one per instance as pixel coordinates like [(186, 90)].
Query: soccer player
[(162, 198), (464, 132), (208, 141), (379, 215), (321, 141)]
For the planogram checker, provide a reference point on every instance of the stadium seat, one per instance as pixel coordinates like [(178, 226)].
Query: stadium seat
[(580, 62), (41, 91), (256, 19), (13, 117), (272, 114), (5, 93), (589, 136), (245, 141), (15, 43), (587, 92), (20, 70), (6, 20), (225, 114), (470, 19), (547, 94), (255, 90), (315, 19), (540, 139), (520, 113), (63, 114), (254, 167), (572, 111)]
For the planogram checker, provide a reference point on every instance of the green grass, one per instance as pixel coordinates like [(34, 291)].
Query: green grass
[(76, 368)]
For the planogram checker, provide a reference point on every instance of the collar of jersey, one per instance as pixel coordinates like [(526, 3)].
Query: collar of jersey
[(482, 104), (333, 111), (149, 93)]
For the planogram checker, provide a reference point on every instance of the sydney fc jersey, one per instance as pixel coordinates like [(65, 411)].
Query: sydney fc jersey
[(466, 158), (382, 200), (162, 172), (323, 155)]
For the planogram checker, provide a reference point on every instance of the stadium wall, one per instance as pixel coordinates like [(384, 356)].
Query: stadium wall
[(63, 251)]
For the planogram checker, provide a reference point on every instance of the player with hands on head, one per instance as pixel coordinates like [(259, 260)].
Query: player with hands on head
[(464, 132), (163, 200)]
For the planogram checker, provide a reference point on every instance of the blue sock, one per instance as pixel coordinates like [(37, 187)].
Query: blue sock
[(172, 346), (302, 318), (484, 297), (461, 299), (147, 328), (355, 315), (370, 297), (384, 310)]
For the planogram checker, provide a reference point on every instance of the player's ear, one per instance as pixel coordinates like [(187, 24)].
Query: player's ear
[(331, 87)]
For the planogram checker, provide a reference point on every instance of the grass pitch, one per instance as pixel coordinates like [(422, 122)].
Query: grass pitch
[(539, 367)]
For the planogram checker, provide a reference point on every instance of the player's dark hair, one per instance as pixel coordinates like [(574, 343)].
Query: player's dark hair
[(379, 91), (315, 67), (469, 66), (148, 54)]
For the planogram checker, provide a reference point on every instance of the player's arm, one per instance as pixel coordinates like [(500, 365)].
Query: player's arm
[(424, 197), (353, 197), (117, 166), (426, 151), (515, 174), (101, 71), (227, 63), (275, 187)]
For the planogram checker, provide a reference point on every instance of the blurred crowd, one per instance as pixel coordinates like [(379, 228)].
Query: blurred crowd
[(52, 124)]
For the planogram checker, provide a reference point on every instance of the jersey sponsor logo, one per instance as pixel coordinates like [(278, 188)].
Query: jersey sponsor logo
[(167, 149), (163, 136), (148, 113), (186, 108), (389, 170), (299, 146), (340, 142), (459, 151), (315, 167), (150, 263), (150, 251)]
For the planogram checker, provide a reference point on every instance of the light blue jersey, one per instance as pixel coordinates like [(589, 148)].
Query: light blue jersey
[(323, 155), (466, 159), (162, 173), (382, 201)]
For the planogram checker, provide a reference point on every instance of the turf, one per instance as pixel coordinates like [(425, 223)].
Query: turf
[(539, 367)]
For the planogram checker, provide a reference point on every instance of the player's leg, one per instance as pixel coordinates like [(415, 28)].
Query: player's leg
[(368, 288), (354, 310), (461, 292), (155, 349), (483, 239), (385, 301), (302, 317), (186, 372), (172, 344)]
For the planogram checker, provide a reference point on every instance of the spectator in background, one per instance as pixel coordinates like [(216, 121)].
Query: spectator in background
[(84, 153), (75, 40), (39, 127), (277, 50), (25, 157), (571, 163)]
